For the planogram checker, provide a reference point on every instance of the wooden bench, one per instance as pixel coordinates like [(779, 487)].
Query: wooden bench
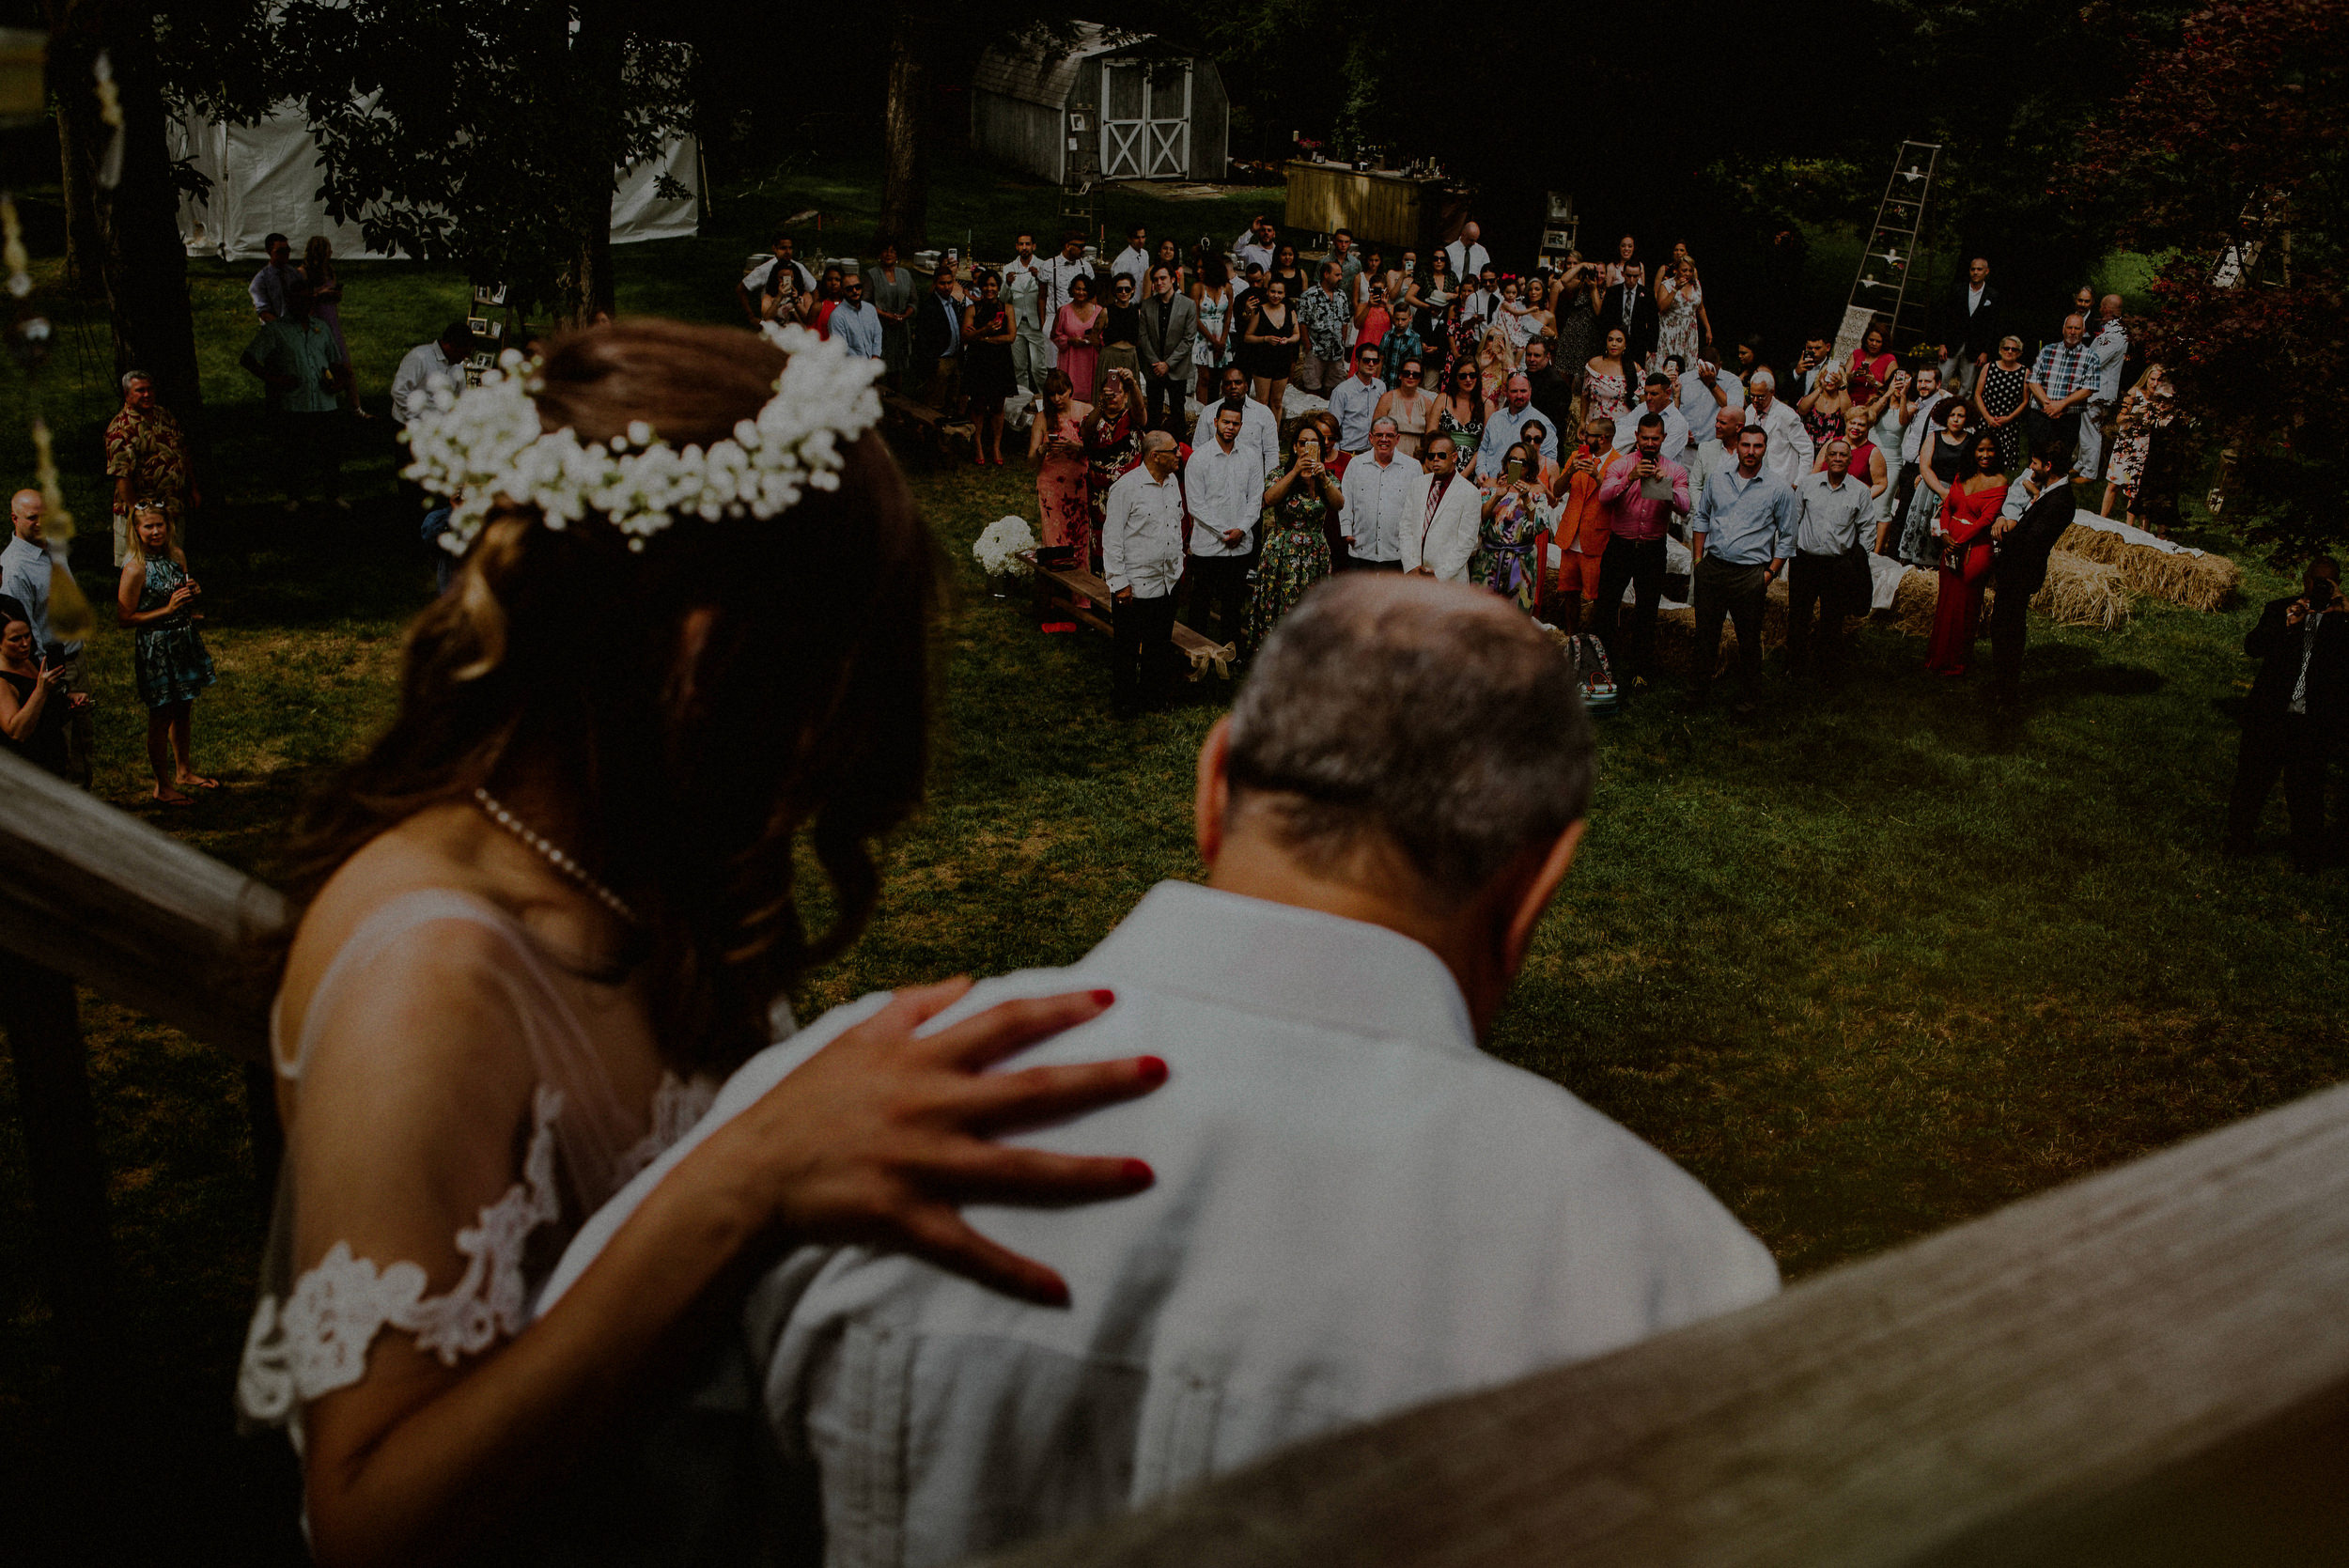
[(929, 426), (1058, 589)]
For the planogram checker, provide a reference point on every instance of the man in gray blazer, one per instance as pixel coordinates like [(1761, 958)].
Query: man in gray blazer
[(1170, 325)]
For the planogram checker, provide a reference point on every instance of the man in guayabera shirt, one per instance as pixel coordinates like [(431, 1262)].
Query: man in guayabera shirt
[(1356, 1209)]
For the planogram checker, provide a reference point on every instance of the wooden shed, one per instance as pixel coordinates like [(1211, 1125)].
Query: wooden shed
[(1157, 119)]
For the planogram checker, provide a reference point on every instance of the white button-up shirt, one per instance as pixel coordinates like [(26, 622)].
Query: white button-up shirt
[(1058, 272), (411, 385), (1466, 260), (1134, 264), (1226, 491), (1142, 534), (1259, 432), (1789, 455), (1379, 500), (1248, 249), (1302, 1263), (1352, 402), (1678, 443)]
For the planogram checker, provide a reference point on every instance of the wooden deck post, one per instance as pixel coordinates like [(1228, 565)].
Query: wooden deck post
[(37, 1007)]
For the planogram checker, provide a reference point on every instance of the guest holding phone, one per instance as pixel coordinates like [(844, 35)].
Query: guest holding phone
[(1295, 550), (1504, 548), (34, 702)]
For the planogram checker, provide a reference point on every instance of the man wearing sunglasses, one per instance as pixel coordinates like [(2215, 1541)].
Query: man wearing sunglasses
[(1355, 399)]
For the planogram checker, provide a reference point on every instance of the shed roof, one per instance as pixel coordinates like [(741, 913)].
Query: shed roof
[(1044, 78)]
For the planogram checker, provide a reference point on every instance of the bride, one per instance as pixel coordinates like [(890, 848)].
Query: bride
[(555, 901)]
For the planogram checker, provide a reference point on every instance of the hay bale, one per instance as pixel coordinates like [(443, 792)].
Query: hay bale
[(2205, 582), (2078, 592), (1676, 633), (1913, 602)]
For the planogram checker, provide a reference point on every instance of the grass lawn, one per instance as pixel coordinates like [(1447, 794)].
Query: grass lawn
[(1867, 967)]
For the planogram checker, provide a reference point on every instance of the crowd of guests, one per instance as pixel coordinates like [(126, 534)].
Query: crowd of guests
[(1544, 436)]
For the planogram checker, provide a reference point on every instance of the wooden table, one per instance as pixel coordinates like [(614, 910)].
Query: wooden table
[(1058, 589)]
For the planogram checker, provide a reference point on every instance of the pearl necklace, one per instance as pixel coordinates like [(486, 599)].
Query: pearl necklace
[(554, 856)]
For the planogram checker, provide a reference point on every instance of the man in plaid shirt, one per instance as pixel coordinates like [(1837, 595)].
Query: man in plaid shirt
[(2066, 376)]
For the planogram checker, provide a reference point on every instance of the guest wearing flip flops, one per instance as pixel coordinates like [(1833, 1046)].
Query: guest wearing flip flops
[(156, 600)]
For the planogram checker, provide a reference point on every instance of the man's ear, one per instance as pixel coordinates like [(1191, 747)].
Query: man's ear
[(1537, 897), (1212, 797)]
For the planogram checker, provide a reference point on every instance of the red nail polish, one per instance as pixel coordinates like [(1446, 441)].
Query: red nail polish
[(1152, 1070), (1105, 997), (1056, 1293), (1139, 1172)]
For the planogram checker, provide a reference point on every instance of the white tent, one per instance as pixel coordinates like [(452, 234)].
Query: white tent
[(266, 177)]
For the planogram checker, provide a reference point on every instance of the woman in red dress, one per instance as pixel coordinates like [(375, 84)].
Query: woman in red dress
[(1964, 528)]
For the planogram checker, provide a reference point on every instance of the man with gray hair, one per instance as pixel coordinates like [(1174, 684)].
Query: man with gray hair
[(1385, 814), (148, 459), (1142, 558)]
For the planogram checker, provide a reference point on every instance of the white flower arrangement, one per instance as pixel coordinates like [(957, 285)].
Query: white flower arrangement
[(487, 441), (998, 546)]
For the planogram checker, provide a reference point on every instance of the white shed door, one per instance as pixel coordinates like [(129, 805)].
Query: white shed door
[(1145, 125)]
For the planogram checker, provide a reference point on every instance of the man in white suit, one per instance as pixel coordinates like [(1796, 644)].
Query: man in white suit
[(1439, 523)]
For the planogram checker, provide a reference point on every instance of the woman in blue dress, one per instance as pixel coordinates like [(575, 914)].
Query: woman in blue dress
[(155, 600)]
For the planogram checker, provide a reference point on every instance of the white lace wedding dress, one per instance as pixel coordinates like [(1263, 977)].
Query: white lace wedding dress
[(310, 1334)]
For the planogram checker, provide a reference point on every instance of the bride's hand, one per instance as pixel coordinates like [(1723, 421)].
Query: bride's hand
[(880, 1138)]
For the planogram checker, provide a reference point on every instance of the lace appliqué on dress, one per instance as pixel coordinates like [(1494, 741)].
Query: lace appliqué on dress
[(317, 1340), (677, 1104)]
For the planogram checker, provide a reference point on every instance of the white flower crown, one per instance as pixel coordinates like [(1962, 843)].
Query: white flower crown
[(487, 441)]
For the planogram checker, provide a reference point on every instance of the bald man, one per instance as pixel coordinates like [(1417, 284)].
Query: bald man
[(1301, 1263), (28, 574)]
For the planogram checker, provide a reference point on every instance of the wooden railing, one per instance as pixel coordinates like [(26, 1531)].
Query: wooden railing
[(2149, 1366), (92, 894)]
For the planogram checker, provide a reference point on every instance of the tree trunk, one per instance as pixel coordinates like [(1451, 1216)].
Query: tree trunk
[(597, 53), (76, 164), (905, 169), (140, 260)]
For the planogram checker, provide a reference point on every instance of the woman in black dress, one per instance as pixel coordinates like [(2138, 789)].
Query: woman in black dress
[(986, 373), (1273, 333)]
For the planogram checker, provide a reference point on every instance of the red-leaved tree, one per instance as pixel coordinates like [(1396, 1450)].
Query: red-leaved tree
[(2249, 107)]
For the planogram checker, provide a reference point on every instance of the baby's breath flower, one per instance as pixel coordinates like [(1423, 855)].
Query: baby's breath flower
[(487, 441)]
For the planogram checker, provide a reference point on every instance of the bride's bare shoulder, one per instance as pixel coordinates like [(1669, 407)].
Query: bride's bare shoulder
[(433, 850)]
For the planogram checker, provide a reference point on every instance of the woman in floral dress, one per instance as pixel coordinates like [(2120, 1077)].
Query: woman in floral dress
[(1295, 550), (1607, 380), (1680, 322), (2144, 408), (1056, 446), (1503, 561), (1112, 437)]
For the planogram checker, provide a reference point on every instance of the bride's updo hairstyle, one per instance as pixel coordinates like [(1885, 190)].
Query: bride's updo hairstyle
[(690, 776)]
